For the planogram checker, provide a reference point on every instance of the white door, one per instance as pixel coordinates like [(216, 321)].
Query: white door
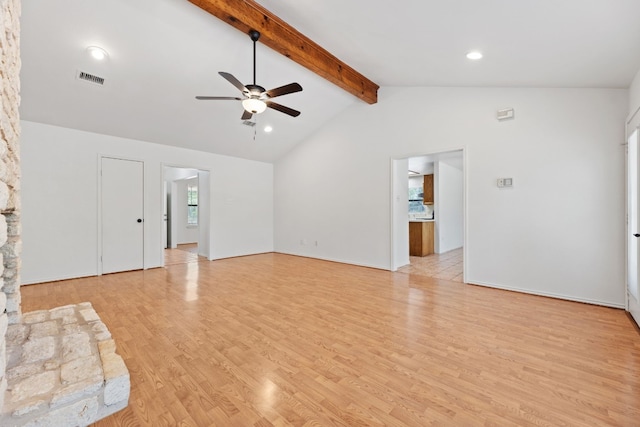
[(122, 215), (633, 229)]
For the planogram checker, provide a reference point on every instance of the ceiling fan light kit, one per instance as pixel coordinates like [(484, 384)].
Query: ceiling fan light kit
[(254, 106), (255, 98)]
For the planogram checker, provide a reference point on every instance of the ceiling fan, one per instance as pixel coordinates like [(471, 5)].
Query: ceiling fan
[(255, 98)]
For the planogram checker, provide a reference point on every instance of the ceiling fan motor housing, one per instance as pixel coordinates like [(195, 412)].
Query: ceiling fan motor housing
[(255, 91)]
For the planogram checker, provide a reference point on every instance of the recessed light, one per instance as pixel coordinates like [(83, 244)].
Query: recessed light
[(268, 129), (97, 53), (475, 55)]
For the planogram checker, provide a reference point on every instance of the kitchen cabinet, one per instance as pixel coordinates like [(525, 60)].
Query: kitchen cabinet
[(421, 238), (427, 189)]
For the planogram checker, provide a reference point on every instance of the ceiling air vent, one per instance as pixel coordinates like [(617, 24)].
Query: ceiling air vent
[(90, 78), (249, 123)]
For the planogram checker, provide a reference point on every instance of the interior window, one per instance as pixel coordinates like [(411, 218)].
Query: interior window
[(192, 205)]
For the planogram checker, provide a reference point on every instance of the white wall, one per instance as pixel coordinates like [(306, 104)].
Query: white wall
[(172, 173), (633, 121), (185, 233), (204, 215), (400, 213), (416, 181), (560, 232), (449, 223), (60, 200)]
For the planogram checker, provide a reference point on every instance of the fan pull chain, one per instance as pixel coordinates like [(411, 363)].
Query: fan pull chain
[(255, 129)]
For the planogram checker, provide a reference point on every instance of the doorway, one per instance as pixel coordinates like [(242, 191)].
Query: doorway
[(186, 218), (441, 218)]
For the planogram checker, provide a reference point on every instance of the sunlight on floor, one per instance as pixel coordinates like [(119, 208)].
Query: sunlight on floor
[(182, 254)]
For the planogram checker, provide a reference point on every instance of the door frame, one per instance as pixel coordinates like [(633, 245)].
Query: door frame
[(632, 305), (207, 201), (144, 207), (396, 220), (632, 125)]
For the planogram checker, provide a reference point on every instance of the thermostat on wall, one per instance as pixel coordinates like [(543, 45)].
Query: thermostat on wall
[(505, 114), (505, 182)]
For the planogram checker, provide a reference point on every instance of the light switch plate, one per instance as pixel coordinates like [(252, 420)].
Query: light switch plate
[(505, 182), (505, 114)]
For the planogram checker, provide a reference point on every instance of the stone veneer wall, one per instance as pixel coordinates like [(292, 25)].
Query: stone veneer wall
[(10, 242), (57, 367)]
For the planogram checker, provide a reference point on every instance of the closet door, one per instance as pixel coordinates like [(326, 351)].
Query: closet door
[(633, 227), (122, 198)]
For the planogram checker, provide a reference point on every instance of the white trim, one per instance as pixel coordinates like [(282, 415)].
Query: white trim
[(632, 115), (549, 294), (465, 228), (632, 124), (338, 261), (99, 219), (633, 308)]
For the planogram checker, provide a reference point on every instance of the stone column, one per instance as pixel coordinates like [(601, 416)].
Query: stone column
[(10, 243)]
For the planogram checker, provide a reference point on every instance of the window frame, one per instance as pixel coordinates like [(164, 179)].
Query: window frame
[(191, 189)]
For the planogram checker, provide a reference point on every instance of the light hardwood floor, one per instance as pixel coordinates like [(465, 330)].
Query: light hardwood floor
[(279, 340), (182, 254)]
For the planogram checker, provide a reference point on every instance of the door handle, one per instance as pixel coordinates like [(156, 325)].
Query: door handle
[(636, 235), (140, 220)]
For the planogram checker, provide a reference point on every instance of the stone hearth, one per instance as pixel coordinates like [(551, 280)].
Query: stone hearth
[(62, 369), (59, 367)]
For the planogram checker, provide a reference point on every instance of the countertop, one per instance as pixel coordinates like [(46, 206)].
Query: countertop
[(421, 220)]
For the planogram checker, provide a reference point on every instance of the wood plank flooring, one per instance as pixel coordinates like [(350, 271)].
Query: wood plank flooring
[(276, 340), (183, 253)]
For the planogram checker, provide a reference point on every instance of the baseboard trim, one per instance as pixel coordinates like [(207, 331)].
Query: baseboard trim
[(339, 261), (549, 295)]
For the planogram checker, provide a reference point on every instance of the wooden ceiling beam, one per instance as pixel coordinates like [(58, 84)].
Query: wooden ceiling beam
[(246, 15)]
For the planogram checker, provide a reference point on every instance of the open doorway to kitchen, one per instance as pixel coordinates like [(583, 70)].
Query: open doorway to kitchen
[(186, 229), (429, 215)]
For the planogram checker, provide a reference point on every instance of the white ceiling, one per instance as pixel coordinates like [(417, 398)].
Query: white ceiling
[(424, 164), (164, 52)]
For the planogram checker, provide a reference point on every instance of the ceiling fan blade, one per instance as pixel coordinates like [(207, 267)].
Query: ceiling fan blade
[(208, 98), (284, 90), (246, 115), (233, 81), (283, 109)]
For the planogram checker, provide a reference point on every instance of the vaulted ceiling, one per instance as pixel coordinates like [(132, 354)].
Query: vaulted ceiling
[(162, 53)]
